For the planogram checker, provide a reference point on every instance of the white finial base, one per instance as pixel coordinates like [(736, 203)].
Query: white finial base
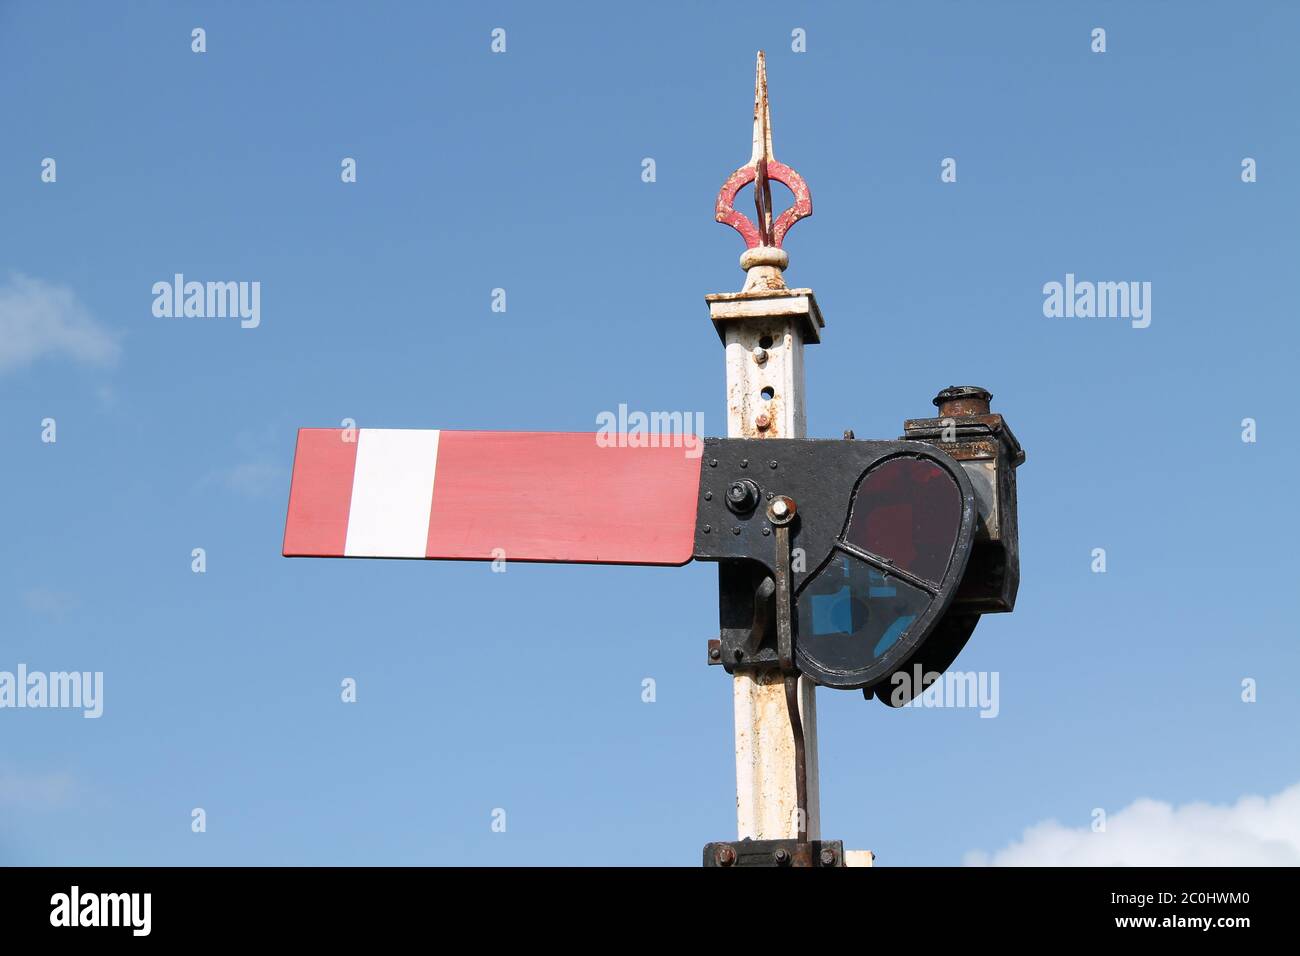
[(763, 266)]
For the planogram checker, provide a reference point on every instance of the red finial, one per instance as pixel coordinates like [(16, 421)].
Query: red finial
[(761, 168)]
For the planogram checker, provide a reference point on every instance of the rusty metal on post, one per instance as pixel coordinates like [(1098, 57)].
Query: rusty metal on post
[(763, 328)]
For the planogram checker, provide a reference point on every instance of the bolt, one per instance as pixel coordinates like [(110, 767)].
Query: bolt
[(742, 496), (744, 463), (766, 531), (707, 528), (782, 510), (760, 354), (708, 496), (715, 653), (828, 857), (782, 857), (725, 856), (762, 423), (772, 464), (736, 530)]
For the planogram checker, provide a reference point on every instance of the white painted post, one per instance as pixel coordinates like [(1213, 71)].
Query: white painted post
[(764, 331), (764, 328)]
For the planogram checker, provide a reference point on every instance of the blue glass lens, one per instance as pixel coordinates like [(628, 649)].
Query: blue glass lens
[(851, 614)]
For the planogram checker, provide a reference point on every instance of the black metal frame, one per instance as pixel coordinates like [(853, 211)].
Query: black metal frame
[(821, 476)]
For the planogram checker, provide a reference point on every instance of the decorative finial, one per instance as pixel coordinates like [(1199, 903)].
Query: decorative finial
[(763, 258)]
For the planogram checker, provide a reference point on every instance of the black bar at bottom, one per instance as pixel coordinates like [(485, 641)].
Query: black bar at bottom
[(913, 906)]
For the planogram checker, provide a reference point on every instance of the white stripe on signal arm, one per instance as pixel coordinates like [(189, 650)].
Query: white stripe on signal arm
[(392, 492)]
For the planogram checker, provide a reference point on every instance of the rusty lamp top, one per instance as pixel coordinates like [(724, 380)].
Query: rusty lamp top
[(761, 168)]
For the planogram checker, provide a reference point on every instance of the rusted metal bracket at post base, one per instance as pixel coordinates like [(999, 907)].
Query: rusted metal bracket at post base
[(749, 854)]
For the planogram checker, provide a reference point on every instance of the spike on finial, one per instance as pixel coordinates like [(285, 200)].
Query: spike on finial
[(762, 153), (763, 258), (762, 113)]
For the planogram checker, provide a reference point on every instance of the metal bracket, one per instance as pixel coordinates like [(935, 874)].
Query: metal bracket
[(781, 511), (748, 613), (774, 853), (755, 552)]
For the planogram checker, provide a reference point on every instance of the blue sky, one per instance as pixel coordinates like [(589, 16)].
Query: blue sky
[(522, 171)]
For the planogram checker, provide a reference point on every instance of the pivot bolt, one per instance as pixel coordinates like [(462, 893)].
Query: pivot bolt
[(725, 856), (828, 857), (782, 857), (742, 496)]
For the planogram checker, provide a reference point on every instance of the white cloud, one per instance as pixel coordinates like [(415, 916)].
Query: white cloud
[(252, 478), (1254, 831), (46, 601), (255, 478), (39, 319), (34, 790)]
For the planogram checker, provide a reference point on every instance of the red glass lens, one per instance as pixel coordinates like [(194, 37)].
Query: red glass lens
[(908, 511)]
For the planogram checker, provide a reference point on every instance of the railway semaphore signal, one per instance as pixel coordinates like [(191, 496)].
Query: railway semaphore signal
[(842, 563)]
